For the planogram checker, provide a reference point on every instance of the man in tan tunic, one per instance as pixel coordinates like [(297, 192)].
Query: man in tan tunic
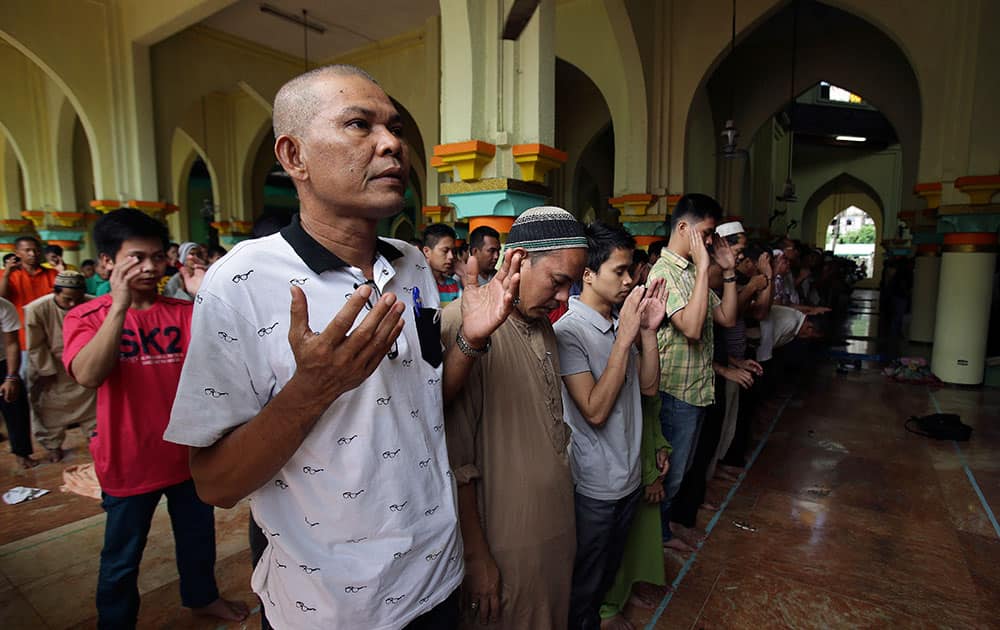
[(57, 401), (508, 443)]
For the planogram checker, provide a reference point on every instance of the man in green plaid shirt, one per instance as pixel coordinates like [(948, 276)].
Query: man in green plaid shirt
[(687, 382)]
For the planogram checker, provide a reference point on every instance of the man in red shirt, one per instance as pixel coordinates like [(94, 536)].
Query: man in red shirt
[(130, 345), (25, 280)]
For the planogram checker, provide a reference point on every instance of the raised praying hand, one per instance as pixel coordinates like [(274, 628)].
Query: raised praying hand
[(485, 308), (722, 253), (192, 279), (654, 305)]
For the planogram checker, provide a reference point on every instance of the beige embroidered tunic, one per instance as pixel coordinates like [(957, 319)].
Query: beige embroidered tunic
[(505, 430), (57, 401)]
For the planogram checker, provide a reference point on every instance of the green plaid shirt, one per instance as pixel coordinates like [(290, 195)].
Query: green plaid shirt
[(685, 366)]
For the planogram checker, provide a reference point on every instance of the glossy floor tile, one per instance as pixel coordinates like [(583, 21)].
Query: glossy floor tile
[(50, 550), (853, 521)]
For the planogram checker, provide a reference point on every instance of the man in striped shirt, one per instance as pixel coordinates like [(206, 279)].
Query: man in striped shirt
[(439, 250)]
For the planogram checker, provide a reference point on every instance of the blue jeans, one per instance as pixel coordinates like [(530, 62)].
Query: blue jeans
[(125, 535), (680, 423)]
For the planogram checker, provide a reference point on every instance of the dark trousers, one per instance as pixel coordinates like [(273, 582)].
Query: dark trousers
[(444, 616), (749, 401), (601, 533), (258, 543), (125, 533), (17, 416), (684, 509)]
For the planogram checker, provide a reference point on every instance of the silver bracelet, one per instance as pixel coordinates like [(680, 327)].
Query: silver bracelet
[(468, 350)]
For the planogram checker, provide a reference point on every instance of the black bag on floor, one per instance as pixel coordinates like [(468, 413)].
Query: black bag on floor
[(940, 426)]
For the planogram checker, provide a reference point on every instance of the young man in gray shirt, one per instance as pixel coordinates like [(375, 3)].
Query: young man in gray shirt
[(604, 373)]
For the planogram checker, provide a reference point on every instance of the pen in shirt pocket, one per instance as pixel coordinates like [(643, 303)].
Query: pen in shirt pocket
[(417, 303)]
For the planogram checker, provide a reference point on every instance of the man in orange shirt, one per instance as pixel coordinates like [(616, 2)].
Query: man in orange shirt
[(25, 280)]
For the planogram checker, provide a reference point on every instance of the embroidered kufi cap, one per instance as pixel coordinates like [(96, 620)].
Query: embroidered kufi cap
[(71, 280), (546, 228), (730, 228)]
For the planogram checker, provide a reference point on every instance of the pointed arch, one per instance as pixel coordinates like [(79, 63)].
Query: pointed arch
[(415, 140), (837, 45), (12, 183), (184, 151), (88, 126), (402, 228), (581, 115), (834, 196), (617, 71), (593, 174)]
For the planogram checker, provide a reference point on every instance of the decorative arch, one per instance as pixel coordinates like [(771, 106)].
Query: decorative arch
[(250, 179), (835, 44), (766, 59), (399, 226), (581, 114), (184, 151), (831, 198), (593, 173), (415, 140), (843, 183), (863, 10), (617, 71), (11, 177), (68, 168), (80, 111)]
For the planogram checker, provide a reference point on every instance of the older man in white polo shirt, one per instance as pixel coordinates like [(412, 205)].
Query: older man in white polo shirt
[(336, 435)]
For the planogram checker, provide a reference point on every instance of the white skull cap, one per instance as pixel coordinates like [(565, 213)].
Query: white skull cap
[(730, 228)]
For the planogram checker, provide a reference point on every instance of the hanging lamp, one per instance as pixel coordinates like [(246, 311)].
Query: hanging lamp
[(729, 132), (788, 191)]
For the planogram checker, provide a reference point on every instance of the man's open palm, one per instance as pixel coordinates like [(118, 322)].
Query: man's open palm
[(485, 308)]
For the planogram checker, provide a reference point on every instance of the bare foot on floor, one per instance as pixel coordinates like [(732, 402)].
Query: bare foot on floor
[(618, 622), (725, 475), (55, 455), (230, 610), (26, 462), (691, 535), (711, 507), (677, 544), (648, 596)]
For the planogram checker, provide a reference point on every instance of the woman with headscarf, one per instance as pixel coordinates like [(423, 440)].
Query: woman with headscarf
[(192, 257)]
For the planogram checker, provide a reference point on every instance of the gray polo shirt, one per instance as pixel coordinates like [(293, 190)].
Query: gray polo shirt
[(605, 460)]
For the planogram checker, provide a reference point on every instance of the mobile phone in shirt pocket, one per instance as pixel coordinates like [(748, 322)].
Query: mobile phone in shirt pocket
[(429, 334)]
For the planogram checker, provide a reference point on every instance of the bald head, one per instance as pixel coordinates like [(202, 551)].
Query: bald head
[(297, 101)]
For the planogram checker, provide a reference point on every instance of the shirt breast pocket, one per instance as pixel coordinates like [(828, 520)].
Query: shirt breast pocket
[(429, 335)]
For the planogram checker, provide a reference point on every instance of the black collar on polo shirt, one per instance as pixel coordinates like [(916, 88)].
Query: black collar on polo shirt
[(319, 258)]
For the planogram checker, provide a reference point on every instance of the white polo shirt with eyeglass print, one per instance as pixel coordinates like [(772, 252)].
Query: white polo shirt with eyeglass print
[(361, 522)]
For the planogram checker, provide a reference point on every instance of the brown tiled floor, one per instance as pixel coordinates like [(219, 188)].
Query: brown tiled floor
[(857, 524), (50, 548)]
